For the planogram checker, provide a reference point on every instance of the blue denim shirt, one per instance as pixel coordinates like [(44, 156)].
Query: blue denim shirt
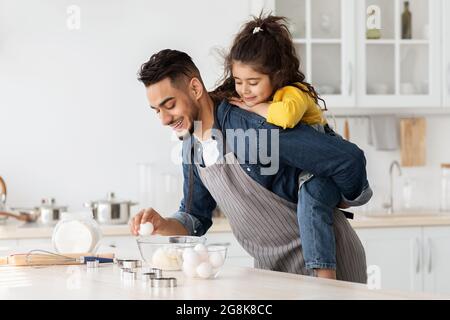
[(301, 148)]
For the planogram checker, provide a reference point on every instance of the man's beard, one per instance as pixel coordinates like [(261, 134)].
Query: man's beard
[(181, 135), (190, 131)]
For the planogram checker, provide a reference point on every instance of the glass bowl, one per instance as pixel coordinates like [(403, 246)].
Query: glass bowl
[(166, 252), (204, 262)]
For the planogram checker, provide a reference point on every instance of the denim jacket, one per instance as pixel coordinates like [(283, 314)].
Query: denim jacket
[(301, 148)]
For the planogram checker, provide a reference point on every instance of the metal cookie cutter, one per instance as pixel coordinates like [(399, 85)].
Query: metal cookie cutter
[(129, 264), (156, 271), (147, 276), (163, 282), (92, 264), (128, 274)]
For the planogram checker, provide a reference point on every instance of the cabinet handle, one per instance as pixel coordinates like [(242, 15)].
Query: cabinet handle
[(430, 254), (448, 78), (350, 78), (417, 253)]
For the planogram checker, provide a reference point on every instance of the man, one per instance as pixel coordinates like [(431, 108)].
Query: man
[(261, 208)]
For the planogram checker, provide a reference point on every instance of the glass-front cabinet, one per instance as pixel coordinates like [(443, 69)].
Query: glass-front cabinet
[(323, 33), (398, 53), (370, 53)]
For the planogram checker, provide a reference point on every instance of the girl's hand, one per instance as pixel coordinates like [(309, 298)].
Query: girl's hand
[(239, 103), (260, 108)]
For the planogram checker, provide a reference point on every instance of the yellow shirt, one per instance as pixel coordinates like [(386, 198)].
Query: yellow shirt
[(291, 105)]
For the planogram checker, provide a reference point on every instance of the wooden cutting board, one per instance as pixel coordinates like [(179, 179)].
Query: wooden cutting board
[(413, 142)]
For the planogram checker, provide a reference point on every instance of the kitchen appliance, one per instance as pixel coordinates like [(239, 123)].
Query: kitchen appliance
[(111, 210)]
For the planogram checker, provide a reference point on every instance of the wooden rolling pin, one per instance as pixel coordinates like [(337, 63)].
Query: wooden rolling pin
[(39, 259)]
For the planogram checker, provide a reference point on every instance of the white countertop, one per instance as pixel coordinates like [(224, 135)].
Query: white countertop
[(19, 230), (78, 282)]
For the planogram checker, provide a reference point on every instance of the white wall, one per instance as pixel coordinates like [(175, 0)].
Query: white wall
[(74, 119), (75, 122)]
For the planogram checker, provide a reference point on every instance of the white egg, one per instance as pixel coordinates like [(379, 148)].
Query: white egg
[(202, 252), (204, 270), (146, 229), (191, 257), (216, 259), (189, 270), (200, 247)]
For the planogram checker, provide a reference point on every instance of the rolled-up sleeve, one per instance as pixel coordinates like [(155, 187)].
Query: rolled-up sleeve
[(193, 225)]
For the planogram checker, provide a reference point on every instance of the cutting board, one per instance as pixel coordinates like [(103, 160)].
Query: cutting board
[(39, 259), (413, 142)]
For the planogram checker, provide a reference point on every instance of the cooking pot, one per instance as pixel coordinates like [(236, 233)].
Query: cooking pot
[(111, 210), (49, 212)]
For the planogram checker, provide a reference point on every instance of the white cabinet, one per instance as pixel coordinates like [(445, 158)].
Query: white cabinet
[(323, 33), (383, 71), (436, 262), (397, 72), (396, 251), (446, 56), (412, 258)]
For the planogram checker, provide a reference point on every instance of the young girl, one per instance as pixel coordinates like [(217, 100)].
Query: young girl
[(262, 76)]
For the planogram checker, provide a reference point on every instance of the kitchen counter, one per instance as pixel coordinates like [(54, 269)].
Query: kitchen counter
[(20, 230), (78, 282)]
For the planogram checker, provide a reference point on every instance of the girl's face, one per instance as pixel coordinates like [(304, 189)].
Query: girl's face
[(252, 86)]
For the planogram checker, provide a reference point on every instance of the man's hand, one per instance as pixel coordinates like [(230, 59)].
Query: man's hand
[(147, 215)]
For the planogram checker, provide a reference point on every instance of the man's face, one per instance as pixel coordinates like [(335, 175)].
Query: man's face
[(174, 106)]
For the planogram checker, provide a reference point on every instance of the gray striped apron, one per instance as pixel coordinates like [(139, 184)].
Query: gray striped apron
[(266, 225)]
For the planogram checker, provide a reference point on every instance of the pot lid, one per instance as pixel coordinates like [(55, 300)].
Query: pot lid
[(111, 199), (50, 203)]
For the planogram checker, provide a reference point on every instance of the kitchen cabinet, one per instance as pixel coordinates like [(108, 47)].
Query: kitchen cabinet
[(396, 72), (384, 71), (323, 33), (412, 258), (396, 252), (446, 56), (436, 263)]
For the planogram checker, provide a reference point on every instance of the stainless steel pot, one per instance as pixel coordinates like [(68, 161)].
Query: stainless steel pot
[(49, 212), (111, 210)]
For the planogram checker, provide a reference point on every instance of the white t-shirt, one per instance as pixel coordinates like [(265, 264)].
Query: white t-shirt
[(210, 152)]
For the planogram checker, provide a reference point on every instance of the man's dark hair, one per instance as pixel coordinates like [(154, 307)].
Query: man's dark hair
[(168, 63)]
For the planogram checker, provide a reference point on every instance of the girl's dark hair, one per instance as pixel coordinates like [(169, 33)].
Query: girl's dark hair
[(269, 51)]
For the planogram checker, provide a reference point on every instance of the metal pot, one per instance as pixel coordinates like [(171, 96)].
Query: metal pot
[(111, 210), (49, 212)]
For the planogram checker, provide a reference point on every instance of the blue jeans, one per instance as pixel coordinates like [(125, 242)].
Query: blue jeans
[(317, 200)]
